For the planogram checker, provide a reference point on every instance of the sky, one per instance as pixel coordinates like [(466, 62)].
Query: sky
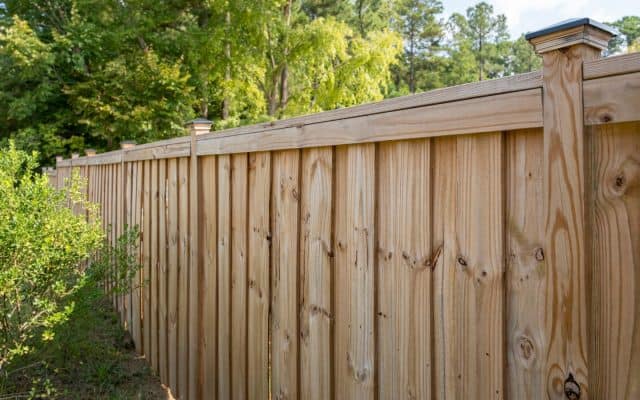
[(532, 15)]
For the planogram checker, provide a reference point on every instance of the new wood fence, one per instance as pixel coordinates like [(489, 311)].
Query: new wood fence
[(475, 242)]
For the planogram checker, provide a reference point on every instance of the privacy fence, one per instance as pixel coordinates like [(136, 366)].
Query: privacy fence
[(475, 242)]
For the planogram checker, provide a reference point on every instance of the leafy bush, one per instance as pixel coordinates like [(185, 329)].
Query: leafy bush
[(42, 245)]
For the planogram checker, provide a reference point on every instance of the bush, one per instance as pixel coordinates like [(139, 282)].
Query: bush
[(42, 247)]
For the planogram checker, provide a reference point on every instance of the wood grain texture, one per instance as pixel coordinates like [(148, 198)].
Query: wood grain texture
[(316, 264), (526, 269), (616, 65), (207, 260), (224, 369), (500, 112), (129, 193), (155, 267), (612, 99), (239, 277), (443, 237), (564, 202), (355, 269), (284, 274), (478, 280), (146, 258), (183, 278), (258, 239), (138, 286), (163, 260), (172, 274), (196, 280), (614, 346), (404, 258)]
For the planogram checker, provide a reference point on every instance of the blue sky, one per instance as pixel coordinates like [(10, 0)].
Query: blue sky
[(525, 16)]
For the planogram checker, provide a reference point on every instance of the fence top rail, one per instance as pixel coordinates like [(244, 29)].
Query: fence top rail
[(177, 147), (615, 65)]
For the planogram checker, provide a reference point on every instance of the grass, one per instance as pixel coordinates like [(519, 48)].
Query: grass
[(90, 357)]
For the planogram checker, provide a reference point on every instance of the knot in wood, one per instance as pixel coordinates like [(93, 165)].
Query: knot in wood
[(462, 261), (526, 347), (571, 388), (539, 254)]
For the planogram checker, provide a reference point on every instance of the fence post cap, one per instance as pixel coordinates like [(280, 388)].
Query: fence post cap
[(127, 144), (571, 32), (90, 152), (59, 158), (199, 126), (75, 155)]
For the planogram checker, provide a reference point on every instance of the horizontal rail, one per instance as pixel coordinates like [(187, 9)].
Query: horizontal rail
[(616, 65), (437, 101), (487, 114), (612, 99)]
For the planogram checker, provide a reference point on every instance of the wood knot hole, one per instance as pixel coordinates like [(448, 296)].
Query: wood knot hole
[(571, 388), (462, 261), (620, 181), (539, 254), (606, 118)]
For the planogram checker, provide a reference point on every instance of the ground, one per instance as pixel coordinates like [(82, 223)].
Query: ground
[(90, 357)]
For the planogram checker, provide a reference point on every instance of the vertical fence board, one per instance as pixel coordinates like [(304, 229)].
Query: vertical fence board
[(404, 265), (172, 267), (129, 214), (239, 280), (152, 237), (146, 259), (163, 264), (207, 259), (259, 237), (478, 285), (316, 255), (525, 265), (183, 276), (284, 274), (225, 314), (354, 302), (139, 278), (615, 271), (444, 219)]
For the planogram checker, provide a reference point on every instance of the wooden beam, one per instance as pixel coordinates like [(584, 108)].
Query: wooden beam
[(565, 236), (616, 65), (488, 114), (612, 99)]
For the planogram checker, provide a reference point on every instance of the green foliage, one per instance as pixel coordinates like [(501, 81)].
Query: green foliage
[(118, 262), (89, 73), (41, 245), (629, 28)]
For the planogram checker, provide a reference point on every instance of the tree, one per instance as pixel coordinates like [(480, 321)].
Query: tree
[(486, 35), (629, 28), (417, 21), (523, 58)]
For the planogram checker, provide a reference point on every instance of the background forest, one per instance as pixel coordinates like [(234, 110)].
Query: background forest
[(78, 74)]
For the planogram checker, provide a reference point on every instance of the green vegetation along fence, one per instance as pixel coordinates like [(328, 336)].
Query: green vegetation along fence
[(476, 242)]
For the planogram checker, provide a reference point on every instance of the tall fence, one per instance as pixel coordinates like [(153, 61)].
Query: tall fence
[(474, 242)]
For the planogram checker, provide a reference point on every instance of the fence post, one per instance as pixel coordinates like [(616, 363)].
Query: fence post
[(564, 47), (196, 127)]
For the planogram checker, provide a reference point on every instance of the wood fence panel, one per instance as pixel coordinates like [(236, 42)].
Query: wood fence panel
[(152, 237), (239, 277), (354, 291), (129, 218), (316, 264), (207, 263), (404, 262), (614, 354), (284, 330), (183, 277), (225, 313), (258, 240), (163, 263), (525, 277), (172, 267)]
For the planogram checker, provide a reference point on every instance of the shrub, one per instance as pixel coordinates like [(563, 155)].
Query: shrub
[(42, 247)]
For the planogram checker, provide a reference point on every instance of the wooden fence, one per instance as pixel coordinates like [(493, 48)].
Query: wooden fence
[(475, 242)]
